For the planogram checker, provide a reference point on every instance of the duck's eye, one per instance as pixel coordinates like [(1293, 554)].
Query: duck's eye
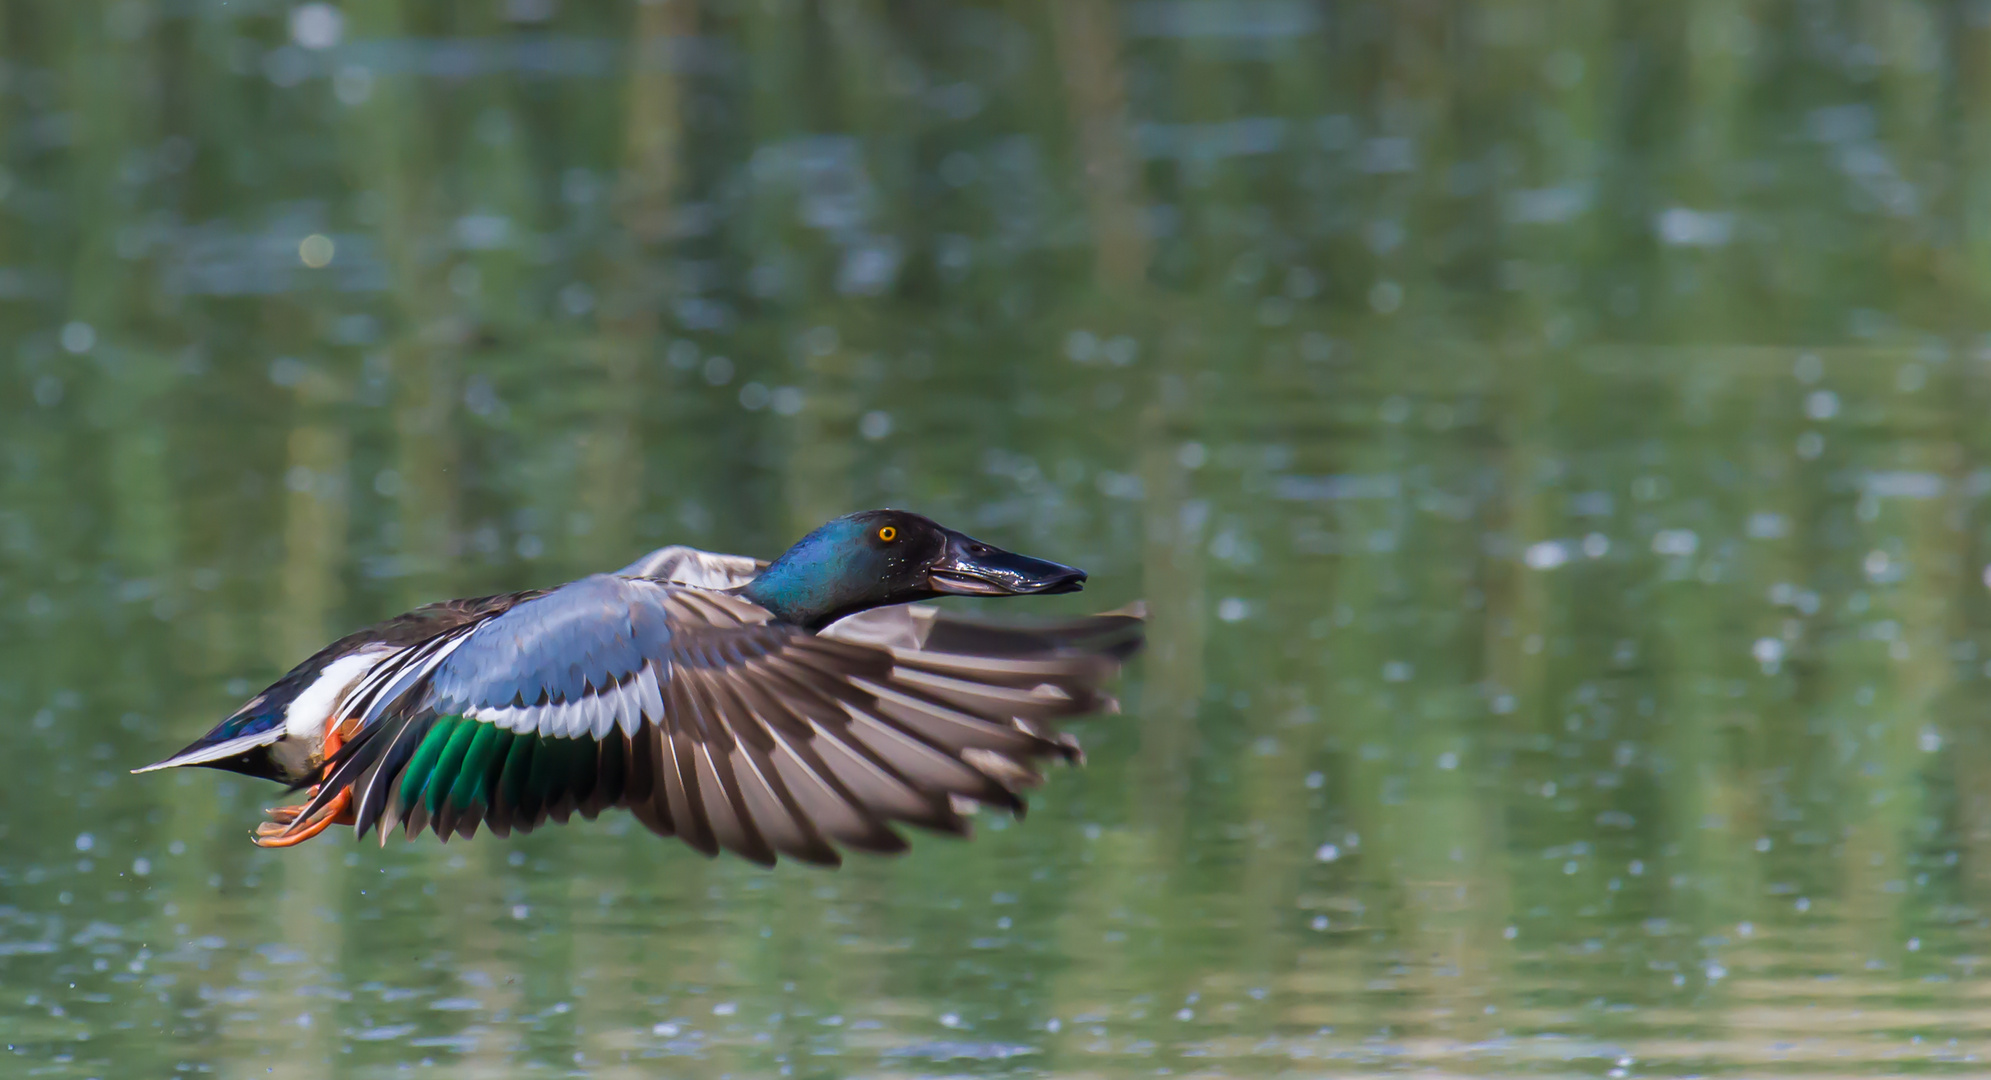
[(888, 534)]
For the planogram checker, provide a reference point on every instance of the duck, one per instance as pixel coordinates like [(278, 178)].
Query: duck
[(797, 708)]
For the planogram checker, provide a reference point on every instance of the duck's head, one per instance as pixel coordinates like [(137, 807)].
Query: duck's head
[(881, 557)]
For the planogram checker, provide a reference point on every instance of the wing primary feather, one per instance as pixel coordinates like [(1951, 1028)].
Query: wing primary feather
[(642, 783), (732, 824), (471, 791), (511, 789), (583, 772), (725, 806), (777, 815), (374, 793), (1046, 700), (882, 791), (414, 817), (926, 767), (1008, 671), (680, 772), (1007, 771), (443, 777), (829, 806), (1113, 634), (415, 779), (817, 782), (390, 813), (545, 786), (950, 728), (655, 814), (879, 783), (463, 822), (611, 771), (828, 801), (683, 796), (558, 793)]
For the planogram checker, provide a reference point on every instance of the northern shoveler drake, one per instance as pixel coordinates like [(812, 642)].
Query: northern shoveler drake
[(789, 708)]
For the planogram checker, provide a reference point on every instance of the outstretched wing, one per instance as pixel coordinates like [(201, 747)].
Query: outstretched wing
[(1116, 634), (713, 723)]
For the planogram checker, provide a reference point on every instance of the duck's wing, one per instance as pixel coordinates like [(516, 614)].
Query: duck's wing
[(710, 721), (698, 569), (1117, 634)]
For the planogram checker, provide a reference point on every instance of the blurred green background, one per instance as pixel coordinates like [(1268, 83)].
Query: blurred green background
[(1549, 436)]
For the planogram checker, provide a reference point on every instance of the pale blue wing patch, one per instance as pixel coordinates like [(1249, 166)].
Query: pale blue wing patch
[(584, 659), (574, 642)]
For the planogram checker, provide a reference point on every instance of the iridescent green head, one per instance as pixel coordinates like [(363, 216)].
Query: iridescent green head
[(881, 557)]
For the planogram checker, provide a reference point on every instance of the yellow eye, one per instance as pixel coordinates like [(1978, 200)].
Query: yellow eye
[(888, 534)]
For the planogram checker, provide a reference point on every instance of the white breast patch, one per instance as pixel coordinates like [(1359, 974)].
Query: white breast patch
[(308, 711)]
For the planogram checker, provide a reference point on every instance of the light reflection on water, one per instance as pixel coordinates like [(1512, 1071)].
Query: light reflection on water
[(1550, 452)]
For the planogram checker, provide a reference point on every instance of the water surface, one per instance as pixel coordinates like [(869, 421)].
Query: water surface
[(1550, 441)]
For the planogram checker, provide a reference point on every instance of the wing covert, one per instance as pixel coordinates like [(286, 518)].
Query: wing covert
[(558, 651)]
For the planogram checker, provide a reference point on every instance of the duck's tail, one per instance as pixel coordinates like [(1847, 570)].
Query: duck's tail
[(236, 745)]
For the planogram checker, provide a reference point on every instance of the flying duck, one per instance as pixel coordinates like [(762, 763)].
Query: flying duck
[(790, 708)]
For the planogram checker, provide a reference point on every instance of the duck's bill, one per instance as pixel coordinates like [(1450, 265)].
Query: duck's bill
[(972, 568)]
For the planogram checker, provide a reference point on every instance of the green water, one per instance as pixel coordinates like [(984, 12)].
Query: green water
[(1550, 438)]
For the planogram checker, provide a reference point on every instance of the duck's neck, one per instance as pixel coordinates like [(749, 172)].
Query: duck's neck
[(809, 586)]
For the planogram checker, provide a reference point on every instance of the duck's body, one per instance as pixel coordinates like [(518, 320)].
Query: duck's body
[(786, 708), (280, 733)]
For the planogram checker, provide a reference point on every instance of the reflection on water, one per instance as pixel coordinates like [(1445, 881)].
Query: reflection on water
[(1549, 440)]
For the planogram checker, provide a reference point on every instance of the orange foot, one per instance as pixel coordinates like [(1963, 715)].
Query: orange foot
[(285, 829)]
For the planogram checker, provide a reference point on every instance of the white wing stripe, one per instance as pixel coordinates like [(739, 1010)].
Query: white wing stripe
[(601, 713), (626, 706), (503, 718), (635, 700), (565, 722), (651, 693)]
